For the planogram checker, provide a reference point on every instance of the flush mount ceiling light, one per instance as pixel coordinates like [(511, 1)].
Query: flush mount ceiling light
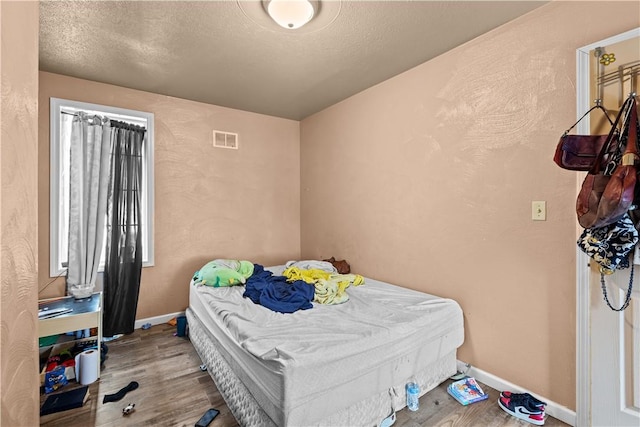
[(324, 14), (290, 14)]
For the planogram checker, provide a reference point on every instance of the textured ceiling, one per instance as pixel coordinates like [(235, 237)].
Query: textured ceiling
[(229, 53)]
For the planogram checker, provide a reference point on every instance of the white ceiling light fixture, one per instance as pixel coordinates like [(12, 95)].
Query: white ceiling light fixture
[(291, 14), (324, 15)]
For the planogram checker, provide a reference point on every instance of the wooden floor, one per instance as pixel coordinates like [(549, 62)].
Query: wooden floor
[(173, 391)]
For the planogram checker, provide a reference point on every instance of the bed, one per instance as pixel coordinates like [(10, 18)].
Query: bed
[(343, 364)]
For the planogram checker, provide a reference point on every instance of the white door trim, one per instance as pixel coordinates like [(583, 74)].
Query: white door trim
[(583, 352)]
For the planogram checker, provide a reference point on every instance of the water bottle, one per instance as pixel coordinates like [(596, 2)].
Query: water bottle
[(413, 394)]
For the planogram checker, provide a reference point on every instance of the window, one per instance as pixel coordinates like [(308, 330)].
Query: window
[(62, 111)]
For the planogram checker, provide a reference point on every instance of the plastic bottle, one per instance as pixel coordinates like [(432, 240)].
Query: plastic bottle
[(413, 394)]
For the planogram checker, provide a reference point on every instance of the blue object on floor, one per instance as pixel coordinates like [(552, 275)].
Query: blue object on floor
[(146, 326), (182, 326)]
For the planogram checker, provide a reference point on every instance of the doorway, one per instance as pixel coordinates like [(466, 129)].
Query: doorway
[(608, 342)]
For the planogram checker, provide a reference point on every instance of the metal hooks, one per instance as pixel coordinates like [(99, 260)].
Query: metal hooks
[(624, 73)]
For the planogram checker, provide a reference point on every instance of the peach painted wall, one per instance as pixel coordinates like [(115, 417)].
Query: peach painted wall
[(209, 202), (426, 180), (19, 389)]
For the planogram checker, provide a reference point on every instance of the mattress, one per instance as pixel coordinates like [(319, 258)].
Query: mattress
[(302, 367)]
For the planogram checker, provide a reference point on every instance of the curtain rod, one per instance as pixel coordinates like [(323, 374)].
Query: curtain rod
[(121, 120)]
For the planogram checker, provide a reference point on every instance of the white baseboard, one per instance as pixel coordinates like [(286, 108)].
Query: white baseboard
[(554, 409), (157, 320)]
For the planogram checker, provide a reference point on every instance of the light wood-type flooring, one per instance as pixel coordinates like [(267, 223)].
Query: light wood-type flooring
[(173, 391)]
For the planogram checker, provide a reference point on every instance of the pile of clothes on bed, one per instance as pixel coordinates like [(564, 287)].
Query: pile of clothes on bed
[(300, 284)]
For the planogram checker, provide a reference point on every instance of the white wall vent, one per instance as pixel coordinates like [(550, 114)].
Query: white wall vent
[(225, 139)]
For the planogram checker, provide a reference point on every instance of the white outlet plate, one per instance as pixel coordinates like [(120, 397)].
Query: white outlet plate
[(539, 210)]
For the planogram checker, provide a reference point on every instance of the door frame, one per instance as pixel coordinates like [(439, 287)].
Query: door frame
[(583, 301)]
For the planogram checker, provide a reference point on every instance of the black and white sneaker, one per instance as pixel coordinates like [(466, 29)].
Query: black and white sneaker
[(523, 409), (515, 396)]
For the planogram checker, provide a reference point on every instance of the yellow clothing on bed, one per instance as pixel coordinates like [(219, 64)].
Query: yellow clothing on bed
[(328, 292), (330, 288), (309, 276)]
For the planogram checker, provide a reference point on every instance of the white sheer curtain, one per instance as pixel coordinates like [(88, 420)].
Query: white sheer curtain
[(90, 165)]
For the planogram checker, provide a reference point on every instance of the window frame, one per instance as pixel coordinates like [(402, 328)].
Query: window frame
[(146, 119)]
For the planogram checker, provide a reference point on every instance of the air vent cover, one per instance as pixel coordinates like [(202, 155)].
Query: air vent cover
[(225, 139)]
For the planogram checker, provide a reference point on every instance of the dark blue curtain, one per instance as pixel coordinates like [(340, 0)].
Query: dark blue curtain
[(123, 261)]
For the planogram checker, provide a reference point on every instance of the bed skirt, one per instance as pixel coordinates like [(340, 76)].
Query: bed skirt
[(247, 411)]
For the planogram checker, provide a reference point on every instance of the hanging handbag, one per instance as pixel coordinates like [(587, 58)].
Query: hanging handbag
[(579, 152), (619, 193), (611, 244), (610, 247), (607, 194)]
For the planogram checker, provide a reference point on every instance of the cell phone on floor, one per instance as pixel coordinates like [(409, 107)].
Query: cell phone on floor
[(207, 418)]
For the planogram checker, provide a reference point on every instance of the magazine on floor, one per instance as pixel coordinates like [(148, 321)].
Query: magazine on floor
[(467, 391)]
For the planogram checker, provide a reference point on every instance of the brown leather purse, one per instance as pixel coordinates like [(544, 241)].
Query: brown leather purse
[(578, 152), (605, 196)]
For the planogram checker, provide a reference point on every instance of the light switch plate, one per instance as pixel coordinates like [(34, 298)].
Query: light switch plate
[(539, 210)]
